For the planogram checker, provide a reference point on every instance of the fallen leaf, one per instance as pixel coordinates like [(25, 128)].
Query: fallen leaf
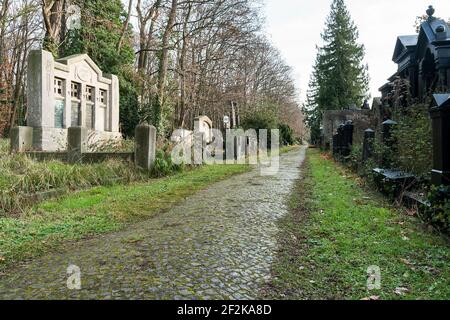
[(411, 213), (401, 291), (407, 262)]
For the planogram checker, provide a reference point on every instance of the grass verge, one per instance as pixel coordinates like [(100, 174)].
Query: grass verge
[(336, 230), (99, 210)]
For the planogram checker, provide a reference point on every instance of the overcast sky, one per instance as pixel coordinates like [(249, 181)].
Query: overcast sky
[(294, 26)]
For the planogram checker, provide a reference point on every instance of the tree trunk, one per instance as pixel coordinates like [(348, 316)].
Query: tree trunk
[(52, 12), (163, 64)]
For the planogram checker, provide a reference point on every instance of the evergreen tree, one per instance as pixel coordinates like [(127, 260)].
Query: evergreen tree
[(99, 35), (311, 112), (340, 78)]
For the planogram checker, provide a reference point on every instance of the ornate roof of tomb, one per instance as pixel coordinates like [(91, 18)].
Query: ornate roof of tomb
[(81, 57), (442, 100), (404, 44), (434, 31)]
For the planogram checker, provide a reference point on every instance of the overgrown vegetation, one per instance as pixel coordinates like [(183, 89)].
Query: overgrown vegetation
[(439, 213), (337, 230), (266, 117), (21, 177), (413, 137)]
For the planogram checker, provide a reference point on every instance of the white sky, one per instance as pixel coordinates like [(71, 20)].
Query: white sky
[(294, 27)]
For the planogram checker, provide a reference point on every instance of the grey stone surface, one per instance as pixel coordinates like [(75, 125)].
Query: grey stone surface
[(21, 139), (217, 244), (145, 150), (362, 119), (76, 143), (49, 84), (49, 139)]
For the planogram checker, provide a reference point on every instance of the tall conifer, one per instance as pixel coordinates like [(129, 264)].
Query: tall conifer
[(340, 77)]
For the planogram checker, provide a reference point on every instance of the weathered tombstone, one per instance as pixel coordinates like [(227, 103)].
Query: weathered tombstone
[(76, 143), (388, 142), (368, 144), (440, 115), (145, 146), (70, 92), (340, 139), (347, 133)]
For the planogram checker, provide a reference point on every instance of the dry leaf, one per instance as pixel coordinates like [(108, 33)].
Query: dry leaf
[(407, 262), (401, 291)]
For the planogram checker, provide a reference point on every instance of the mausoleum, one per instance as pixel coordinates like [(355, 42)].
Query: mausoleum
[(70, 92), (423, 59)]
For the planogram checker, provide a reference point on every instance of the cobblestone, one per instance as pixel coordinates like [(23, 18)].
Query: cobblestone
[(217, 244)]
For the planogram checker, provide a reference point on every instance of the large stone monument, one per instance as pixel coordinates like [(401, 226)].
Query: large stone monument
[(70, 92)]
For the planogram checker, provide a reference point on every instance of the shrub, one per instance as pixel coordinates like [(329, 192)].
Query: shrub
[(164, 165), (354, 160), (259, 120), (286, 135), (439, 212), (413, 136)]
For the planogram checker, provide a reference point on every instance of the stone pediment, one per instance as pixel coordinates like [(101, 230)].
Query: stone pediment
[(404, 45), (83, 67)]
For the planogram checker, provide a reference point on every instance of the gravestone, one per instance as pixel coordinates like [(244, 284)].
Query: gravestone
[(440, 115), (70, 92), (347, 138), (145, 146), (368, 144)]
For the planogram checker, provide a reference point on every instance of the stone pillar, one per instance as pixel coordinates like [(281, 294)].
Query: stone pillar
[(440, 115), (340, 139), (40, 95), (21, 139), (388, 142), (369, 139), (114, 104), (347, 132), (145, 149), (76, 143)]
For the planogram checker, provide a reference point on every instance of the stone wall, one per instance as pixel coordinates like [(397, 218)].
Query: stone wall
[(362, 120)]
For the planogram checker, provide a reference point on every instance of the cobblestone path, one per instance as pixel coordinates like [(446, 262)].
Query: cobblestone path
[(217, 244)]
